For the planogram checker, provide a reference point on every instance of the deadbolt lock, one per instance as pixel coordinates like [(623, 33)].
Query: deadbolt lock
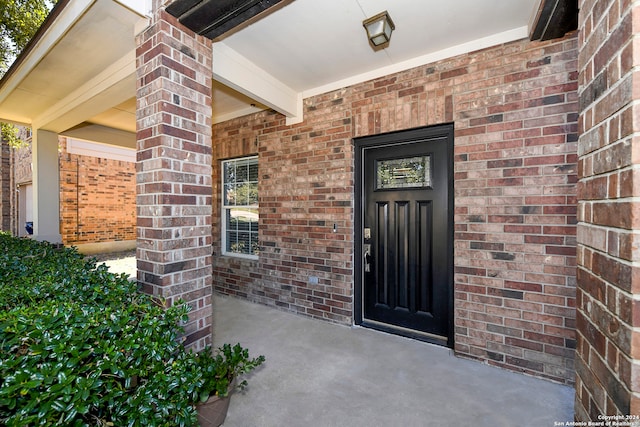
[(367, 233)]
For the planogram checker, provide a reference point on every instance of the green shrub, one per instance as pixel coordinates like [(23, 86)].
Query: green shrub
[(32, 271), (216, 372), (81, 346)]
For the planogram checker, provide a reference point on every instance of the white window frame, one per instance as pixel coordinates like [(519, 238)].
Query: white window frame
[(225, 208)]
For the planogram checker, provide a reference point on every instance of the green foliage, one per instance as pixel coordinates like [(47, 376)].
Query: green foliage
[(81, 346), (19, 21), (9, 133), (219, 370), (32, 272)]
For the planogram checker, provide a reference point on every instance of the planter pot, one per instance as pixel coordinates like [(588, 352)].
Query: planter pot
[(212, 412)]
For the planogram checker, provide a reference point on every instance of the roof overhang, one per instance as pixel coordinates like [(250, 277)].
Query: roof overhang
[(217, 18), (78, 74), (79, 67)]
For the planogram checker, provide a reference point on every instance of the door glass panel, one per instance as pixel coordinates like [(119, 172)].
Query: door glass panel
[(410, 172)]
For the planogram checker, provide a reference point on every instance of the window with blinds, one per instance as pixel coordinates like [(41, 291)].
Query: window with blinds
[(240, 207)]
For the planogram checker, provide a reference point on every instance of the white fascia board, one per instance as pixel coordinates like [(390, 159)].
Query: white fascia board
[(100, 150), (68, 16), (237, 72), (299, 116), (535, 14), (237, 113), (79, 101), (102, 134), (141, 7), (483, 43)]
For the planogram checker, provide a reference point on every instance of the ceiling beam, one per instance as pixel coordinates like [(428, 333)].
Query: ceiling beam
[(111, 87), (237, 72), (102, 134)]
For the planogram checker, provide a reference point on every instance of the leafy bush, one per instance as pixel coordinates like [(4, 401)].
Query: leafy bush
[(218, 371), (31, 272), (81, 346)]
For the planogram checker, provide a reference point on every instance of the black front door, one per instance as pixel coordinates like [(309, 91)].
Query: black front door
[(405, 232)]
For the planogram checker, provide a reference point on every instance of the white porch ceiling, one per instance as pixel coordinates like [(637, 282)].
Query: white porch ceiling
[(82, 68)]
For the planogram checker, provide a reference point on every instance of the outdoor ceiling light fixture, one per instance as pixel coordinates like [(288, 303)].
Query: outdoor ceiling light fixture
[(379, 29)]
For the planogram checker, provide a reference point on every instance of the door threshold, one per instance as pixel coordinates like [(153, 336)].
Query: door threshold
[(406, 332)]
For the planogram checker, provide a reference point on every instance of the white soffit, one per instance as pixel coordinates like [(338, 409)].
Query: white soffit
[(493, 40), (67, 18), (82, 69), (310, 47), (82, 64), (142, 7)]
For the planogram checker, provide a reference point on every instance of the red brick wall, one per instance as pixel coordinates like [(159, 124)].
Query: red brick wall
[(5, 186), (97, 199), (20, 166), (514, 108), (515, 206), (608, 348), (306, 185)]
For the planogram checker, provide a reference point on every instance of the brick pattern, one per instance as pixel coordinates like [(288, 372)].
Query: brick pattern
[(514, 108), (306, 186), (608, 349), (21, 164), (97, 199), (174, 169), (20, 174), (97, 196), (5, 186)]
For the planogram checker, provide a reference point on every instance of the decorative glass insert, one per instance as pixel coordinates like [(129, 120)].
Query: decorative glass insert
[(240, 207), (411, 172)]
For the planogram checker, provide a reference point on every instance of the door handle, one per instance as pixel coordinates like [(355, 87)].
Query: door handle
[(367, 258)]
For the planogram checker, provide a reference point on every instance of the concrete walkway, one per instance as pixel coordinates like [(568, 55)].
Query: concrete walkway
[(321, 374)]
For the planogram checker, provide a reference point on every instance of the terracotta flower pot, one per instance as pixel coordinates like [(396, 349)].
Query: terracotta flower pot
[(212, 412)]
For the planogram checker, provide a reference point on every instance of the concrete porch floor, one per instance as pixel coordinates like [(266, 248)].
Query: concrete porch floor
[(322, 374)]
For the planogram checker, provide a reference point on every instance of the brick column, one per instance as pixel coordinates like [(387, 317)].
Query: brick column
[(174, 69), (608, 344)]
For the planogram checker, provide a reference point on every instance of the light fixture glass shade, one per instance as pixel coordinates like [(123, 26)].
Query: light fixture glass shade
[(379, 28)]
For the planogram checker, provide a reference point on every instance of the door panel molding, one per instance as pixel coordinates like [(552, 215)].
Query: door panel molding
[(411, 219)]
